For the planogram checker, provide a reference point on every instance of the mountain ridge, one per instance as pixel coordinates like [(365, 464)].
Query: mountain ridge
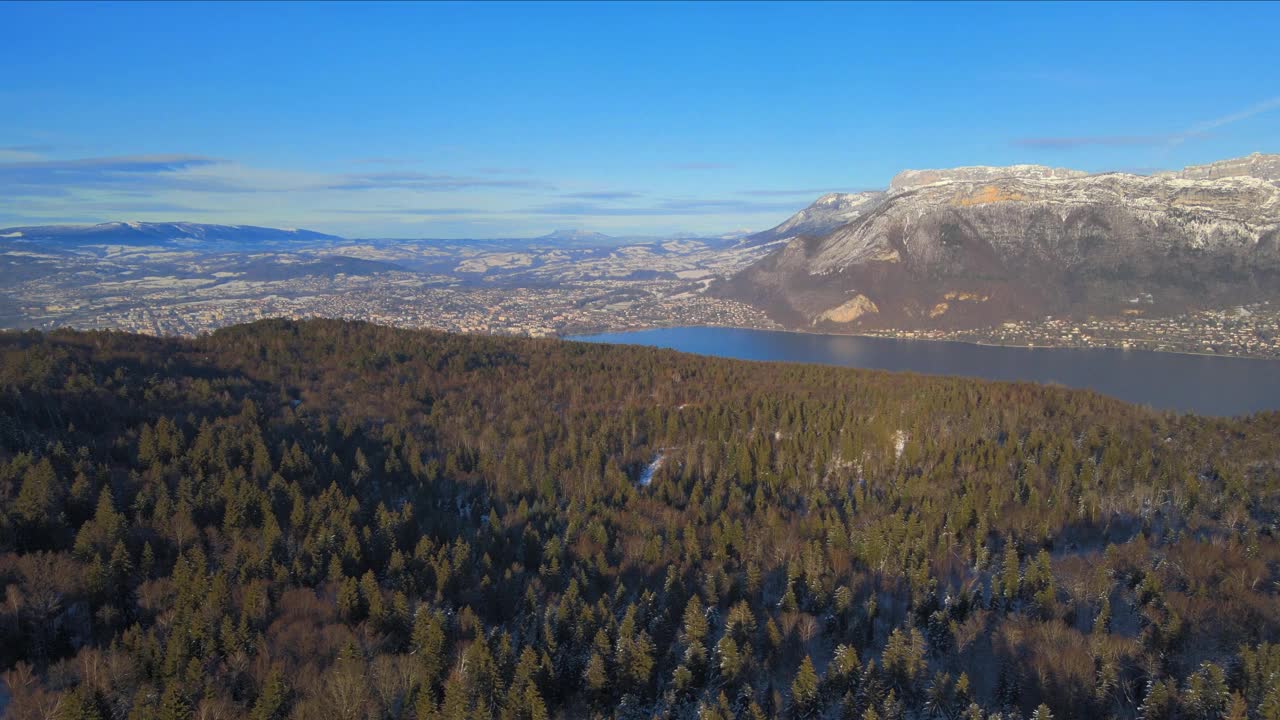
[(149, 233), (907, 179), (981, 245), (826, 213)]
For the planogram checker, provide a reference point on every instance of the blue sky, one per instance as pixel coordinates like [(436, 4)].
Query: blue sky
[(486, 120)]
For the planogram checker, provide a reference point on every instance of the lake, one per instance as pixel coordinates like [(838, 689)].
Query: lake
[(1168, 381)]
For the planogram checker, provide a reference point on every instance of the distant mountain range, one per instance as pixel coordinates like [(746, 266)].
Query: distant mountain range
[(148, 233), (231, 237), (577, 236), (972, 246)]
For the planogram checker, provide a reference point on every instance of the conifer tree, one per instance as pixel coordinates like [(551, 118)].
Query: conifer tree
[(730, 659), (904, 659), (596, 676), (1206, 695), (174, 705), (39, 505), (272, 702), (82, 703), (1160, 702), (804, 691)]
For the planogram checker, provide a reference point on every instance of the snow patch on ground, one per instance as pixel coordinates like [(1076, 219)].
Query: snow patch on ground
[(646, 475), (899, 443), (495, 261)]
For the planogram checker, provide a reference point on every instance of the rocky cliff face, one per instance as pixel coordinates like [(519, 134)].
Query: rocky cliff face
[(976, 246), (1265, 167), (978, 173)]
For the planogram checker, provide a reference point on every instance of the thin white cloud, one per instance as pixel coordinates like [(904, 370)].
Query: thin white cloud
[(22, 153), (198, 188), (1204, 127), (1198, 130)]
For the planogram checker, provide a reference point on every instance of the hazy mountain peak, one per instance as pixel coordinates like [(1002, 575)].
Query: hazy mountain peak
[(574, 234), (156, 233)]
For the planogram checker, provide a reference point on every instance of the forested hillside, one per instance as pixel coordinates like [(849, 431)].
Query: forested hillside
[(336, 520)]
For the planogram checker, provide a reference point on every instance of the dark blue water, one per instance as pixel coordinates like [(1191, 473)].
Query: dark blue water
[(1168, 381)]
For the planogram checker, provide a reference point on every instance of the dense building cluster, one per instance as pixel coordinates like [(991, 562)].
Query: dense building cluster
[(339, 520), (409, 301), (1245, 331)]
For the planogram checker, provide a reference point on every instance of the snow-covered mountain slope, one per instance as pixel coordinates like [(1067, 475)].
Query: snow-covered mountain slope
[(1022, 243), (825, 214)]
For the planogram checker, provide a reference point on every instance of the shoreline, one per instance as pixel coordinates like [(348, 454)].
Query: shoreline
[(560, 335), (1196, 384), (978, 343)]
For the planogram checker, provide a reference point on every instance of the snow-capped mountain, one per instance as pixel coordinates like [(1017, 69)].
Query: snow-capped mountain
[(973, 246)]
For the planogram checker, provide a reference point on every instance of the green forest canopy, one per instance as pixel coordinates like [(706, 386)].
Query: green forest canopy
[(330, 519)]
